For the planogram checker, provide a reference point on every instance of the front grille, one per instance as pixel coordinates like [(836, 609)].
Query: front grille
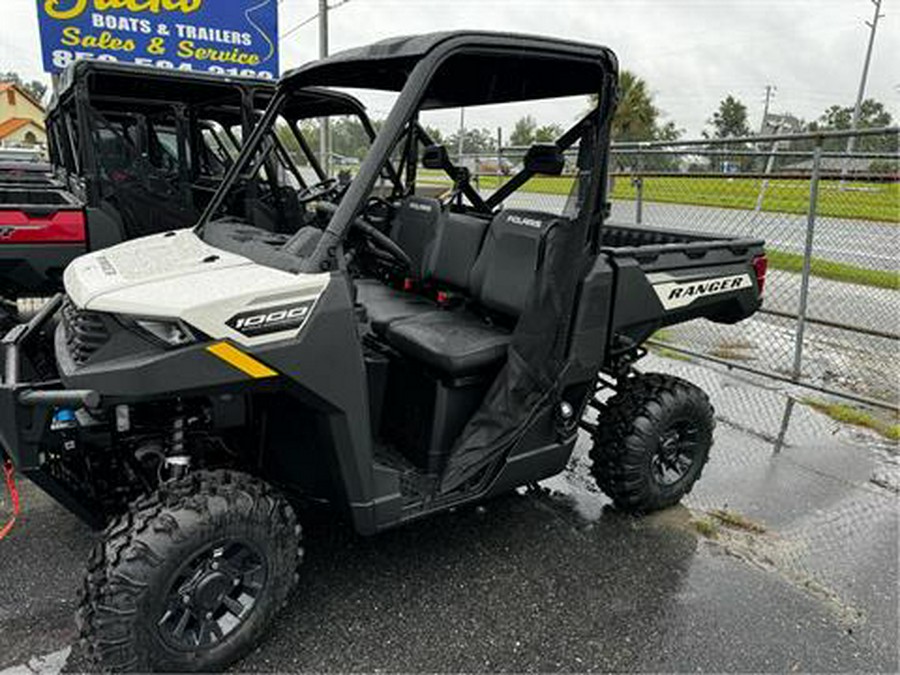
[(85, 332)]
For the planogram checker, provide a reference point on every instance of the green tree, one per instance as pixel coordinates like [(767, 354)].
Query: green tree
[(434, 134), (637, 116), (730, 120), (548, 133), (475, 142), (35, 88), (872, 115), (348, 137), (668, 132), (523, 132)]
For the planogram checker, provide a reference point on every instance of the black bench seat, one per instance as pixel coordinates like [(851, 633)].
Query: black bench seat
[(459, 341), (454, 343)]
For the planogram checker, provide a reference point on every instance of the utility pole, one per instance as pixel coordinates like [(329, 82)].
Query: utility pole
[(324, 131), (770, 90), (873, 26)]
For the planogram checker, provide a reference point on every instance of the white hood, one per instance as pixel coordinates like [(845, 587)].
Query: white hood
[(178, 276)]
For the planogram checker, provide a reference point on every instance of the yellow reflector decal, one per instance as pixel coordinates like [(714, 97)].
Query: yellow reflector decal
[(241, 361)]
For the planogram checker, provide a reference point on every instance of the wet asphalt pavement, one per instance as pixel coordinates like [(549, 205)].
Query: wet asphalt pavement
[(557, 581)]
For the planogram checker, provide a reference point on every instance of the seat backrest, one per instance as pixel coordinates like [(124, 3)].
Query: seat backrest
[(455, 250), (502, 276), (414, 228)]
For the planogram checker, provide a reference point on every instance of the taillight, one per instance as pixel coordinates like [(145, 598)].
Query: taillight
[(761, 265), (62, 227)]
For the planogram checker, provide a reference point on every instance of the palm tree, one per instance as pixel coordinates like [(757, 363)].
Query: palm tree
[(636, 116)]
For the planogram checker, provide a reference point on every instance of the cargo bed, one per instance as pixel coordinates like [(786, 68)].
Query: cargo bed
[(665, 277)]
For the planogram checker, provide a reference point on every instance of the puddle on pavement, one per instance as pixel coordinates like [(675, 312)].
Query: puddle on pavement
[(772, 553), (725, 532)]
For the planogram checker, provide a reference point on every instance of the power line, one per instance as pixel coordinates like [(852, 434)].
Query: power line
[(310, 19)]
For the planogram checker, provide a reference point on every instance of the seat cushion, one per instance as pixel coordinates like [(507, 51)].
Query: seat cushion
[(384, 304), (502, 276), (414, 227), (455, 250), (454, 343)]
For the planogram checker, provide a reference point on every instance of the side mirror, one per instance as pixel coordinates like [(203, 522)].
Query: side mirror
[(435, 157), (545, 159)]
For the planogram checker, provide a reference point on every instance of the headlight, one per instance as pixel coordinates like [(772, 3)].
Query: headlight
[(173, 333)]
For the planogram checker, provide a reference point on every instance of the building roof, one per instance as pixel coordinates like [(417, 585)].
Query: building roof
[(21, 90), (10, 126)]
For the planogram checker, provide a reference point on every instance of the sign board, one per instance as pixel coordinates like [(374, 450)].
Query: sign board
[(233, 37)]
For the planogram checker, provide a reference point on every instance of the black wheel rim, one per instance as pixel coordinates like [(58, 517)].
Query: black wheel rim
[(676, 453), (212, 595)]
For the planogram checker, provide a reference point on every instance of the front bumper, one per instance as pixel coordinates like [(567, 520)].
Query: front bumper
[(27, 407), (26, 414)]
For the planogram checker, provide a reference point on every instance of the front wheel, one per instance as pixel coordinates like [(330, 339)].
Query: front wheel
[(191, 576), (652, 442)]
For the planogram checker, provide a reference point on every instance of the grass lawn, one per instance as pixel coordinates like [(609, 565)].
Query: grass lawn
[(829, 269), (886, 424), (867, 201)]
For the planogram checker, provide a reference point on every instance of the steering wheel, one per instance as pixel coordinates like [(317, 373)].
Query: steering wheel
[(318, 191), (382, 242), (370, 213), (376, 237)]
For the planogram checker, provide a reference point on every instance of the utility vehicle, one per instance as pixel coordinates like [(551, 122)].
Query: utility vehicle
[(137, 151), (21, 161), (396, 356)]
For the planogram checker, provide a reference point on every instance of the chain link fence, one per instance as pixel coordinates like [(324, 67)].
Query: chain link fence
[(831, 221)]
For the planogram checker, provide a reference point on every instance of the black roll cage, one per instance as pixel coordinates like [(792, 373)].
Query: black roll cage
[(189, 99), (69, 133), (412, 72)]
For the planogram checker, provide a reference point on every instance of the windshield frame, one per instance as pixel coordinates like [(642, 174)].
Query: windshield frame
[(265, 129)]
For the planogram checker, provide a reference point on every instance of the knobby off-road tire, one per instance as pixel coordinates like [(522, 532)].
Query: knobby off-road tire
[(652, 442), (223, 543)]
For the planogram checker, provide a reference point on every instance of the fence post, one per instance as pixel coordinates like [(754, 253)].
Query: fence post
[(797, 368), (638, 183)]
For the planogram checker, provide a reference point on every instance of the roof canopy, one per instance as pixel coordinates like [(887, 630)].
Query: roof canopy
[(482, 67), (116, 87)]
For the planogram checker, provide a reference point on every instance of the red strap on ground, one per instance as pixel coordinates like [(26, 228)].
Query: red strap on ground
[(9, 475)]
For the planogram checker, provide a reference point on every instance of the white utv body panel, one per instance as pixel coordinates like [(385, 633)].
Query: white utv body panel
[(177, 276)]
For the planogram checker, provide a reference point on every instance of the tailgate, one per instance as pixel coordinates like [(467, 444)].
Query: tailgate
[(41, 232), (40, 216), (721, 280)]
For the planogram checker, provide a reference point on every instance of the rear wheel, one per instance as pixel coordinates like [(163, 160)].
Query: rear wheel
[(652, 442), (190, 578)]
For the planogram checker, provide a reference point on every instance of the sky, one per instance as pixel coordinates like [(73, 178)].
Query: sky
[(692, 53)]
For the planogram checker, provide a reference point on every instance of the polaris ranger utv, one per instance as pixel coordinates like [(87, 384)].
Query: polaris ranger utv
[(404, 357)]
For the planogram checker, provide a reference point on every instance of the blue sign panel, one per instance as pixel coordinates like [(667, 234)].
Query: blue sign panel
[(233, 37)]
